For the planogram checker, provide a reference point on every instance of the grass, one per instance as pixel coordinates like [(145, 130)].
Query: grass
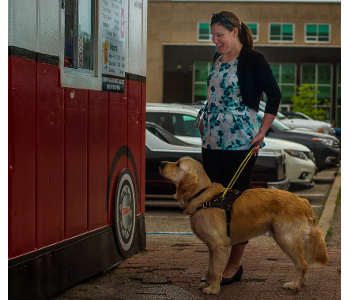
[(329, 232), (338, 197)]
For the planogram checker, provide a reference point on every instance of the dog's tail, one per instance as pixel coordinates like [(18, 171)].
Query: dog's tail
[(317, 250)]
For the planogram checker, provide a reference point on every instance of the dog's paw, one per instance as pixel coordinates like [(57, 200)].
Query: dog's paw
[(190, 210), (211, 290), (291, 286), (203, 285)]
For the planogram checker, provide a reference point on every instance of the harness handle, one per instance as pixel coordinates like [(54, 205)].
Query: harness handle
[(240, 169)]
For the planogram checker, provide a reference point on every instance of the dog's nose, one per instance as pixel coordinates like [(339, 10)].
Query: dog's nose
[(163, 163)]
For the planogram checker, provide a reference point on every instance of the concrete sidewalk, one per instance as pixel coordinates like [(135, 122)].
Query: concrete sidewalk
[(328, 211), (172, 270)]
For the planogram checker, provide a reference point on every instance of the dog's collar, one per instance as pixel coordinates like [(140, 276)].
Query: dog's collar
[(196, 195)]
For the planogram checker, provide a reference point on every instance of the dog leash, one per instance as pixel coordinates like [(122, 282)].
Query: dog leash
[(239, 170)]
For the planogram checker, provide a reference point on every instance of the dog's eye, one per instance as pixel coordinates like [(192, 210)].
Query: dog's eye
[(178, 164)]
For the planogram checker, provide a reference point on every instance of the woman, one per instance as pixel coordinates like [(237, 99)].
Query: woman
[(229, 127)]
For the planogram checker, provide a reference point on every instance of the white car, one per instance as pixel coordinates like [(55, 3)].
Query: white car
[(179, 120), (300, 161), (303, 124)]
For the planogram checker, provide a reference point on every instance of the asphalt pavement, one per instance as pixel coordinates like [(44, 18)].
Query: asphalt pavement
[(171, 269)]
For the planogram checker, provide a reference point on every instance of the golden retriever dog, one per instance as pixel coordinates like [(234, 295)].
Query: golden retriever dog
[(288, 218)]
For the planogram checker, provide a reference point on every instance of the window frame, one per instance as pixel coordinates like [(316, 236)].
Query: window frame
[(316, 82), (282, 41), (194, 82), (81, 78), (317, 33), (198, 33), (282, 84), (255, 37)]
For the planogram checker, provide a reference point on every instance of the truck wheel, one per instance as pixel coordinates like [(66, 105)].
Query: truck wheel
[(125, 212)]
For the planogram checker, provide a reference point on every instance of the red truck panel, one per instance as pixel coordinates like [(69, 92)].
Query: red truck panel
[(21, 135), (49, 157), (97, 159)]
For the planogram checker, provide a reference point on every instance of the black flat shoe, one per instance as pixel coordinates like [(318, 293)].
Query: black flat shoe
[(236, 277)]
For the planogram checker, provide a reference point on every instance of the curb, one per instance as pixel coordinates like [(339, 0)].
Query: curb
[(328, 211)]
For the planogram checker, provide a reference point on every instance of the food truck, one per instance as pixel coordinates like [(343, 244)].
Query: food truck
[(76, 140)]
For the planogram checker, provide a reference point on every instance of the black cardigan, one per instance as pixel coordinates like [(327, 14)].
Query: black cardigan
[(255, 77)]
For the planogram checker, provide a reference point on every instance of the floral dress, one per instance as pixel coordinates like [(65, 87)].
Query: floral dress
[(228, 123)]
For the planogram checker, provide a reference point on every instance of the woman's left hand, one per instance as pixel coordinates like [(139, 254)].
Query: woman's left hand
[(264, 127), (258, 140)]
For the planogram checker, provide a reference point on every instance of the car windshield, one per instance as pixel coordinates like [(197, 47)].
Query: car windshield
[(297, 116), (276, 123), (164, 135), (157, 134)]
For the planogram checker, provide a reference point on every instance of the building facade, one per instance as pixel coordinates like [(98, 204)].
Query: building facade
[(300, 39)]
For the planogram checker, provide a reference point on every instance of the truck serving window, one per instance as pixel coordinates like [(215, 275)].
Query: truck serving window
[(80, 57), (79, 35)]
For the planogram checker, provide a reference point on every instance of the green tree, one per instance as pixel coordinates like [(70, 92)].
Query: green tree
[(305, 102)]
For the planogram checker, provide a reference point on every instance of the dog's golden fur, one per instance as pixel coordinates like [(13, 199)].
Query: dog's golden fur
[(288, 218)]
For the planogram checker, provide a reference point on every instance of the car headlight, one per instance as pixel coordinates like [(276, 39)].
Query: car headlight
[(328, 142), (311, 156), (298, 154)]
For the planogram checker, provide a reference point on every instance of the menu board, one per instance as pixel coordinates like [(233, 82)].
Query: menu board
[(114, 23)]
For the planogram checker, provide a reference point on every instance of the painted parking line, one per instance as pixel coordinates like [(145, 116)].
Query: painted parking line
[(171, 233), (309, 195), (183, 233)]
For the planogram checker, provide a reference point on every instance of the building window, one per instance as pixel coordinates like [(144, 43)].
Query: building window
[(319, 75), (200, 74), (205, 35), (204, 32), (317, 33), (80, 57), (254, 28), (281, 32), (285, 75)]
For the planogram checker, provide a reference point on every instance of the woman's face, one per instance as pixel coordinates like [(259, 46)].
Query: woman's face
[(223, 38)]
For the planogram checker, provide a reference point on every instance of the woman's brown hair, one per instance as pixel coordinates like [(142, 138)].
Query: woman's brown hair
[(229, 20)]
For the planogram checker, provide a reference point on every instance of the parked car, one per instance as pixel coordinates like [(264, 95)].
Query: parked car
[(338, 133), (177, 119), (269, 171), (299, 115), (295, 115), (303, 124), (300, 162), (326, 148)]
